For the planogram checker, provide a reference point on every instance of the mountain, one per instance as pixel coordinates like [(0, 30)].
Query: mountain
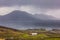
[(23, 20), (45, 17), (18, 18)]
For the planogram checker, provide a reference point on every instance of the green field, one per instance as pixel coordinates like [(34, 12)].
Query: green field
[(29, 37), (12, 34)]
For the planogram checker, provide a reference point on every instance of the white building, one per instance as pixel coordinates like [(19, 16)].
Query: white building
[(33, 34)]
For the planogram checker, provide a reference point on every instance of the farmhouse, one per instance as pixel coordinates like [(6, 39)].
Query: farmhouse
[(33, 34)]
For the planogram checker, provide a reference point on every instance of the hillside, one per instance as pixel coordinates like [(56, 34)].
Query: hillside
[(9, 32), (14, 34)]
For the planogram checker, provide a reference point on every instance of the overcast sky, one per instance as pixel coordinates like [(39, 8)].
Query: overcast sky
[(48, 7)]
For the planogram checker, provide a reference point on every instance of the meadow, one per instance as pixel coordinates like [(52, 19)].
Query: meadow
[(42, 34)]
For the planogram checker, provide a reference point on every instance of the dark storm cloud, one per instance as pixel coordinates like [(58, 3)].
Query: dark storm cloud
[(39, 3)]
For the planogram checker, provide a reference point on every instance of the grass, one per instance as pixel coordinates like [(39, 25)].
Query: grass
[(29, 37), (24, 35)]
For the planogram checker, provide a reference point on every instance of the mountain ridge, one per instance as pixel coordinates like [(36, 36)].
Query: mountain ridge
[(21, 19)]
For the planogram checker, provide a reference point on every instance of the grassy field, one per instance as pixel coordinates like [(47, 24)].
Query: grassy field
[(12, 34)]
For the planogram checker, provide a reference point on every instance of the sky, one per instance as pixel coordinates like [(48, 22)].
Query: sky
[(48, 7)]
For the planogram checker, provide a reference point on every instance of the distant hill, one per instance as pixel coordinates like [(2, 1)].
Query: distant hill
[(22, 20), (45, 17), (5, 29), (18, 18)]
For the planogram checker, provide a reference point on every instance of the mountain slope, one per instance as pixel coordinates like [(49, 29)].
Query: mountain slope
[(45, 17), (18, 15), (20, 19)]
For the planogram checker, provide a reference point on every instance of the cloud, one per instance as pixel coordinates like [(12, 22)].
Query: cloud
[(55, 13), (49, 7), (29, 9), (6, 10), (40, 3)]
